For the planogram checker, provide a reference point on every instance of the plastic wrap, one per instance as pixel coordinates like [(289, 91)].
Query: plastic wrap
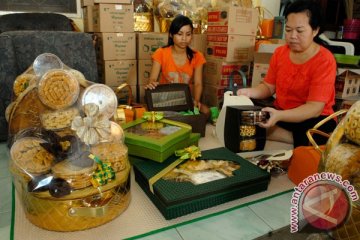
[(68, 157)]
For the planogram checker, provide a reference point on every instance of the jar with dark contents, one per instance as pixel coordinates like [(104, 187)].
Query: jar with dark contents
[(249, 120)]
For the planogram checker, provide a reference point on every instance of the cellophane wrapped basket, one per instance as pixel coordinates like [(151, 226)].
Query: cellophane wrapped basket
[(69, 162), (342, 156)]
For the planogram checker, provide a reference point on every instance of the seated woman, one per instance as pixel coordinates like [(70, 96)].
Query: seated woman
[(302, 75), (179, 63)]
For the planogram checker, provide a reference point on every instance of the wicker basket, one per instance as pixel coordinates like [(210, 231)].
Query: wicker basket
[(341, 156), (82, 209)]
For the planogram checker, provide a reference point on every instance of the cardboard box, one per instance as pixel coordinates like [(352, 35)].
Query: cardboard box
[(217, 72), (116, 72), (261, 66), (213, 96), (147, 43), (233, 20), (230, 48), (116, 46), (178, 198), (113, 18), (88, 18), (155, 140), (85, 3), (141, 93), (347, 83), (199, 42), (114, 1)]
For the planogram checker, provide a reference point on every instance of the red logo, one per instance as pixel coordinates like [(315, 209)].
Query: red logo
[(325, 206)]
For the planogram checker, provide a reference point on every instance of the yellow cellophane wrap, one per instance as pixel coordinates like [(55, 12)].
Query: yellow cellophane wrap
[(144, 22), (82, 209)]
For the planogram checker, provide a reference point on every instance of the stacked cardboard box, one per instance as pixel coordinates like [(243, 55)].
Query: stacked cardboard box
[(113, 27), (230, 47), (147, 43)]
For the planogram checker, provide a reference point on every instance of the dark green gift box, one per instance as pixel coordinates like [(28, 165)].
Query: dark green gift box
[(142, 144), (175, 199)]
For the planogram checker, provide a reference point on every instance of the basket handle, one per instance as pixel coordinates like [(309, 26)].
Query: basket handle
[(319, 124), (122, 86)]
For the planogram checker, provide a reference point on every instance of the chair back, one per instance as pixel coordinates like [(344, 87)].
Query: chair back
[(18, 50)]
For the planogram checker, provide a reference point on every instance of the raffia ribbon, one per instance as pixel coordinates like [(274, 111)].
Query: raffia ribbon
[(103, 174), (192, 152), (153, 116)]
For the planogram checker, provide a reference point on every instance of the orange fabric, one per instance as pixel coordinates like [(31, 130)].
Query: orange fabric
[(298, 83), (303, 163), (170, 72)]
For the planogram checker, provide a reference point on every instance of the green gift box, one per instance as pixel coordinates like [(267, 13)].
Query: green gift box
[(175, 199), (156, 140)]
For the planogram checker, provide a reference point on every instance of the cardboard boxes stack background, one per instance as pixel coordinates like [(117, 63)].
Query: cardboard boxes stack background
[(125, 55), (231, 35), (113, 28)]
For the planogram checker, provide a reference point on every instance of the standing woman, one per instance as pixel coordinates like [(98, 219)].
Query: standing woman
[(178, 63), (302, 75)]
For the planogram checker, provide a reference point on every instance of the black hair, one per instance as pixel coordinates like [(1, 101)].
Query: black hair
[(313, 10), (177, 23)]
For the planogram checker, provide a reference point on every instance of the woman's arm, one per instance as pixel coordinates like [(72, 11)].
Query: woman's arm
[(261, 91), (154, 75), (198, 87)]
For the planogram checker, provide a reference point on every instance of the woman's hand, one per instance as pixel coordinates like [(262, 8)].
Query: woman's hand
[(152, 85), (197, 104), (244, 91), (273, 119)]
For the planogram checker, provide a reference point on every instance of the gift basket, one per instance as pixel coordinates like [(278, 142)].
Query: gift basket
[(342, 156), (68, 158)]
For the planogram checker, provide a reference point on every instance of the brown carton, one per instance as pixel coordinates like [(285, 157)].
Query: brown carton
[(147, 43), (261, 66), (114, 1), (113, 18), (199, 42), (217, 72), (213, 96), (116, 46), (233, 20), (85, 3), (88, 18), (230, 48), (115, 72)]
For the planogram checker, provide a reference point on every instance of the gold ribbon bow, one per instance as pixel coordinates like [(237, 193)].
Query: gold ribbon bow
[(103, 174), (153, 116), (192, 152)]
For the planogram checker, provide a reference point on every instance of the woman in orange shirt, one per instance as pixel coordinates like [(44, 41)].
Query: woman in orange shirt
[(302, 75), (178, 63)]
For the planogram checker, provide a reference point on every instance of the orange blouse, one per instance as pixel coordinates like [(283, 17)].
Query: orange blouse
[(295, 84), (170, 72)]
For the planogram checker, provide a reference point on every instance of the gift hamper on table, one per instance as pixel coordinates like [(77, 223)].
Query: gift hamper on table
[(342, 156), (155, 138), (176, 102), (191, 180), (68, 159)]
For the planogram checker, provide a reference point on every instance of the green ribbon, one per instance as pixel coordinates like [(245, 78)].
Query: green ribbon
[(103, 174), (192, 152), (153, 116)]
